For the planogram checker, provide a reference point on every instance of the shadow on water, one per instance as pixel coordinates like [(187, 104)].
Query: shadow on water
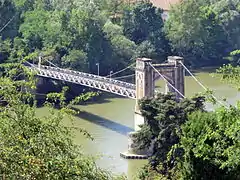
[(106, 123), (101, 99)]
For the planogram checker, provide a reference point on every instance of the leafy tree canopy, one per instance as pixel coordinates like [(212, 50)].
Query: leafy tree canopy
[(211, 145), (143, 24), (34, 147), (205, 31), (164, 117)]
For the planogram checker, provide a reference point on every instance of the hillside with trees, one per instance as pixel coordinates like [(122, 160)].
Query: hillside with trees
[(204, 32), (78, 34)]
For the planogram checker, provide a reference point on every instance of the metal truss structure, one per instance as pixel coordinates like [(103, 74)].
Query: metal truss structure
[(98, 82)]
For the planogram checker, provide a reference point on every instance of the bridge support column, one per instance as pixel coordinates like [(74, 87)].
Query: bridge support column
[(144, 88)]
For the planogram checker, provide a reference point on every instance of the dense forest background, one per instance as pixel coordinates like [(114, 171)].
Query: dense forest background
[(77, 34)]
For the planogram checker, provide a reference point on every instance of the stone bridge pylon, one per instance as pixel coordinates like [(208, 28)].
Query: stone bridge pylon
[(144, 87), (173, 72)]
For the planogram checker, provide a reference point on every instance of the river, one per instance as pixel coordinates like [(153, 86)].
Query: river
[(110, 120)]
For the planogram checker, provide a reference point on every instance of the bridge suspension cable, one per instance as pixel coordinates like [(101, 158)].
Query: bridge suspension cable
[(52, 63), (29, 63), (167, 81), (121, 70), (10, 20), (39, 61), (201, 83), (121, 77), (106, 76)]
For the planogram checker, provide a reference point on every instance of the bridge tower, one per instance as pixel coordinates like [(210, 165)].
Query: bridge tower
[(173, 72), (144, 87)]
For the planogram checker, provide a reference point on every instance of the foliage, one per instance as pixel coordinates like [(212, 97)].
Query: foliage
[(164, 117), (147, 172), (123, 48), (68, 29), (211, 145), (9, 19), (210, 140), (75, 59), (229, 15), (143, 24), (12, 51), (230, 74), (191, 144), (235, 57), (34, 147), (205, 31)]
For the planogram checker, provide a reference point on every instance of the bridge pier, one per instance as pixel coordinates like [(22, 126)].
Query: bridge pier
[(144, 87), (177, 75)]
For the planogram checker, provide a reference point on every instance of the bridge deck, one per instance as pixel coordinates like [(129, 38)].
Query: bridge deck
[(98, 82)]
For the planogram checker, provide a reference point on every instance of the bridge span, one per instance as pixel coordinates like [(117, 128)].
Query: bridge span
[(90, 80)]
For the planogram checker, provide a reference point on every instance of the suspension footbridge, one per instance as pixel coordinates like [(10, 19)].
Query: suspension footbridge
[(116, 86), (146, 74)]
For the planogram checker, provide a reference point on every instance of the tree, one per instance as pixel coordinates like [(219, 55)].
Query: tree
[(78, 27), (9, 19), (203, 31), (230, 73), (164, 117), (12, 50), (76, 59), (190, 143), (143, 24), (123, 49), (210, 139), (229, 15), (235, 57), (211, 145), (35, 147)]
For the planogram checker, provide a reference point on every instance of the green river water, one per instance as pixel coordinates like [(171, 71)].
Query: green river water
[(110, 121)]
